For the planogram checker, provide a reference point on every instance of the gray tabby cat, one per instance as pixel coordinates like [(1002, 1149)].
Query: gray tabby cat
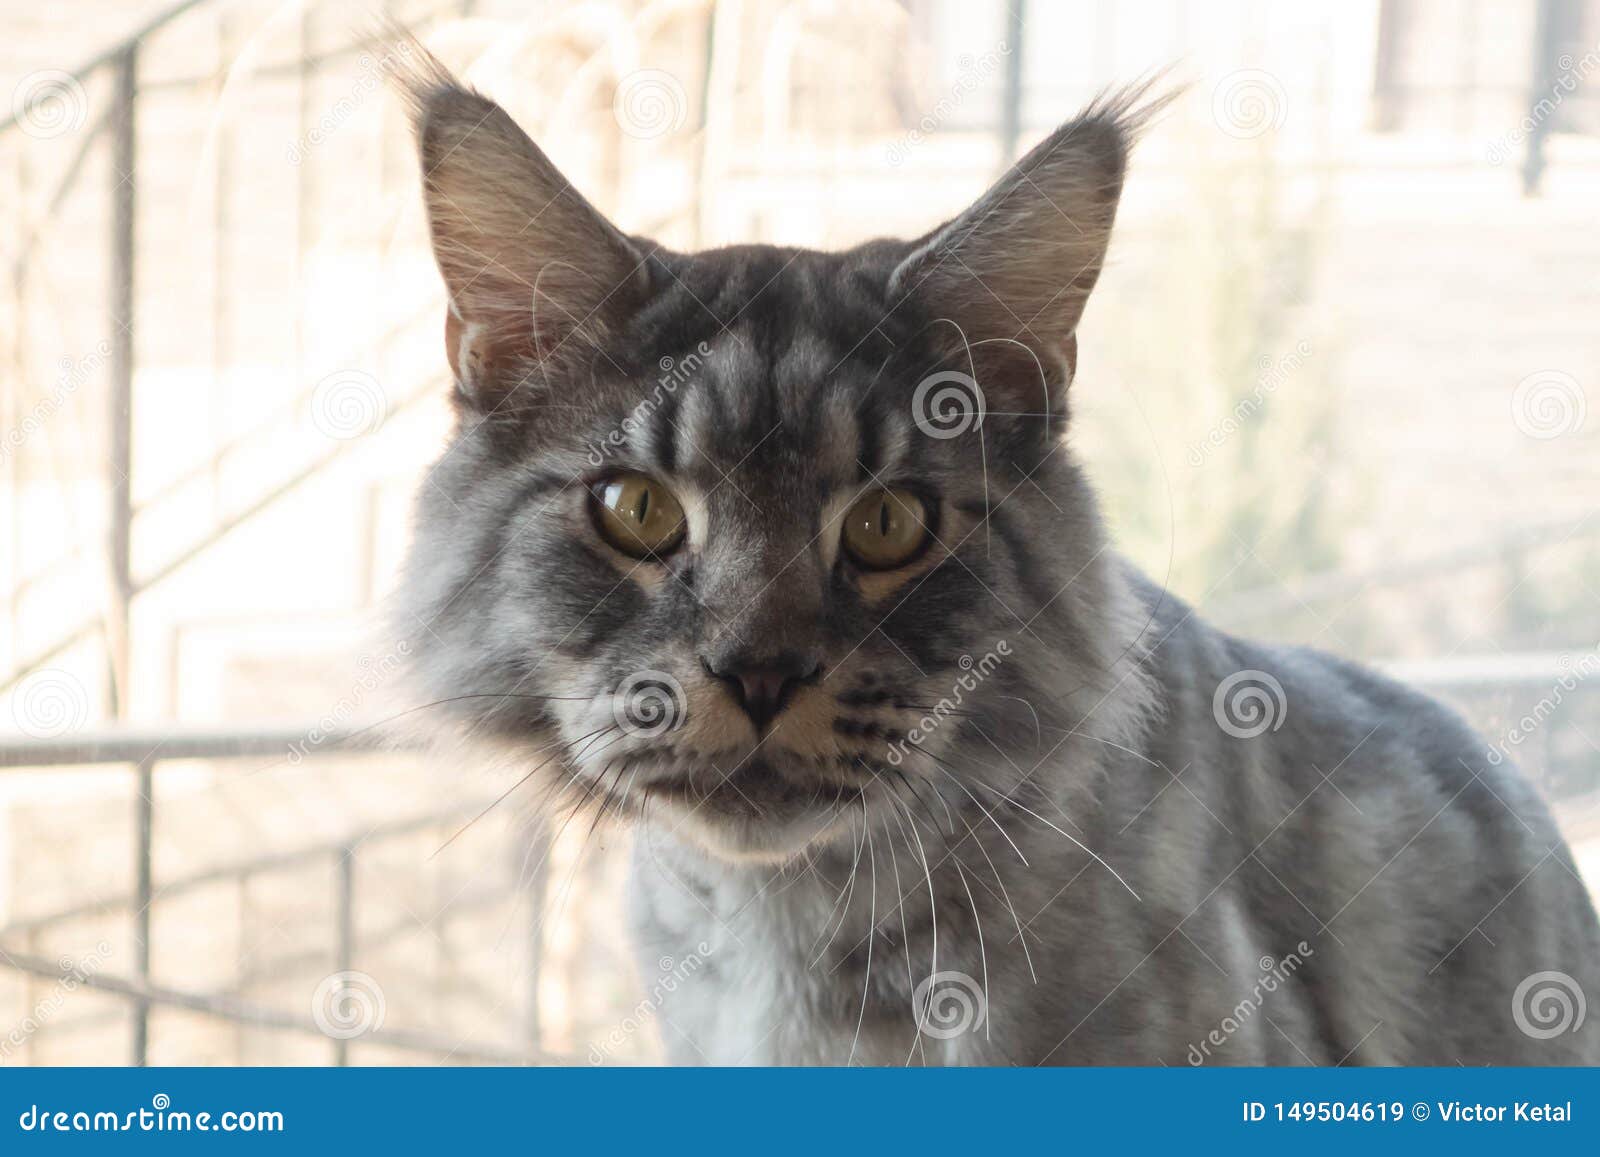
[(782, 555)]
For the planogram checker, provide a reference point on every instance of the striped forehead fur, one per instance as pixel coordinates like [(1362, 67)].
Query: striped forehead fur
[(791, 392)]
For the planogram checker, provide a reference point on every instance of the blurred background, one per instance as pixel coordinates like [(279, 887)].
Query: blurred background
[(1333, 389)]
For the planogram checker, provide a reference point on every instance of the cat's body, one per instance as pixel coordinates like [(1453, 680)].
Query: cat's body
[(1361, 886), (783, 556)]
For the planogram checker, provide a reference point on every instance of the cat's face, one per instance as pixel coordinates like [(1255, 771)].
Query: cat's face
[(733, 536)]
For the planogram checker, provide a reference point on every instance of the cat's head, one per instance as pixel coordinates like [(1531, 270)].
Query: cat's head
[(739, 536)]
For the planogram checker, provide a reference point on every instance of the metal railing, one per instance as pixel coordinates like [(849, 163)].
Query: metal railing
[(120, 123), (146, 752)]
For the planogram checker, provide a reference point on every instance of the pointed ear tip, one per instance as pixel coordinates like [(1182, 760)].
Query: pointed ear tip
[(428, 89), (1117, 117), (1144, 101)]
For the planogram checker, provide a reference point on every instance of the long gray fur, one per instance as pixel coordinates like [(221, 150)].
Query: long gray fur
[(1035, 812)]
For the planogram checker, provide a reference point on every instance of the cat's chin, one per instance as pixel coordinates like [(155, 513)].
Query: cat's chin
[(757, 841), (755, 819)]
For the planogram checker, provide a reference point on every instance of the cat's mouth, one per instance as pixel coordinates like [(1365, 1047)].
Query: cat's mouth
[(759, 809), (755, 788)]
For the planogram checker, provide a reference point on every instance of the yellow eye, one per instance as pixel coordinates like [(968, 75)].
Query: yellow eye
[(638, 515), (886, 529)]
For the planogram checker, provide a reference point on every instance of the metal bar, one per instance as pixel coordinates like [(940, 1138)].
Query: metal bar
[(267, 968), (1387, 87), (221, 530), (344, 931), (116, 52), (538, 884), (1546, 47), (87, 140), (305, 79), (290, 742), (217, 533), (1261, 601), (240, 1011), (124, 161), (221, 232), (1011, 108), (143, 897), (244, 869), (319, 60)]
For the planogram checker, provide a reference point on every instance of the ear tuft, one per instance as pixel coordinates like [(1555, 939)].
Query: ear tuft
[(421, 78), (537, 276), (1019, 265)]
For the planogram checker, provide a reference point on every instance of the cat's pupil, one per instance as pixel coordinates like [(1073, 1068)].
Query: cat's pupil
[(883, 518), (644, 505)]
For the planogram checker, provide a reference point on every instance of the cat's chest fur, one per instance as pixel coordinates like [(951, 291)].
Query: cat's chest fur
[(782, 973)]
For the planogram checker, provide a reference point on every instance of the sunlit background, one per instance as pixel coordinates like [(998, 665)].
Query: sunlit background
[(1333, 389)]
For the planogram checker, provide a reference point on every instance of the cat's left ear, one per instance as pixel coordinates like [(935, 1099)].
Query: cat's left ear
[(1018, 266), (538, 278)]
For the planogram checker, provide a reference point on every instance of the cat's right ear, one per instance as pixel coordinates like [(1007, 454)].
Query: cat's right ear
[(1018, 266), (537, 276)]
